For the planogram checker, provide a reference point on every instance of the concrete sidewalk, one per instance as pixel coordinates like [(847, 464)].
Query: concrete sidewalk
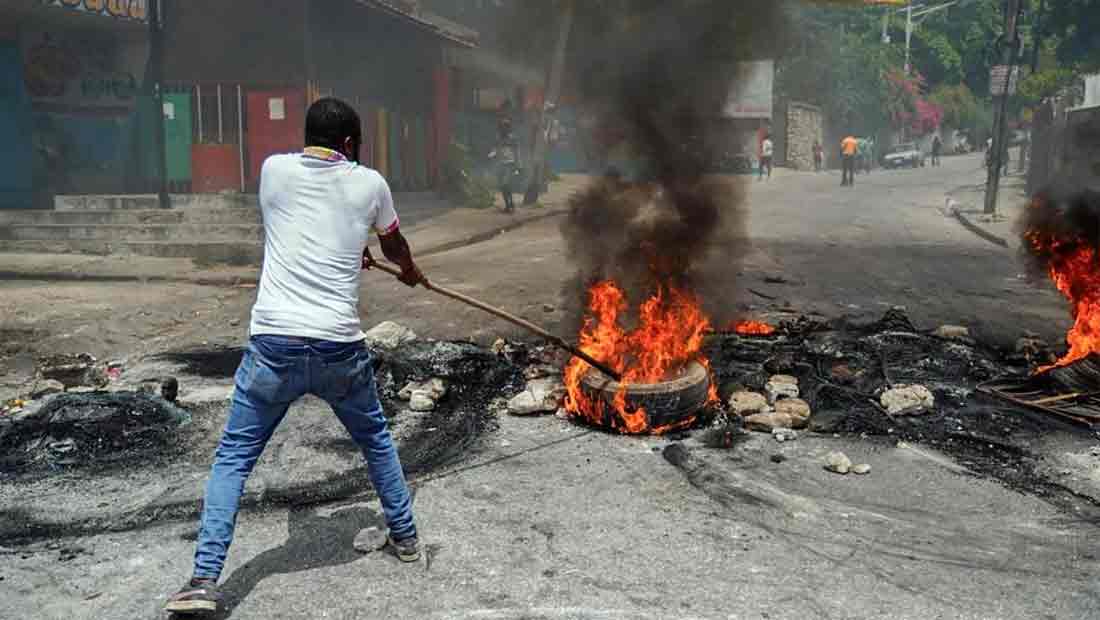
[(427, 235), (967, 204)]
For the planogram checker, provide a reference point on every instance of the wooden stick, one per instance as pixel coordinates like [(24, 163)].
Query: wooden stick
[(511, 318), (1059, 398)]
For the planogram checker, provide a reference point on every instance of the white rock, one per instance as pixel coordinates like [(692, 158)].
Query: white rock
[(768, 422), (952, 332), (436, 389), (780, 387), (838, 462), (747, 403), (540, 396), (389, 335), (903, 397), (784, 434), (498, 346), (862, 469), (421, 400), (796, 408), (369, 539)]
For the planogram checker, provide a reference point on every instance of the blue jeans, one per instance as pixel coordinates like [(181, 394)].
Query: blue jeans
[(274, 372)]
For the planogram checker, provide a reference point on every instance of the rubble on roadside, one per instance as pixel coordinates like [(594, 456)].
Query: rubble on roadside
[(389, 335), (838, 463), (908, 399), (538, 396)]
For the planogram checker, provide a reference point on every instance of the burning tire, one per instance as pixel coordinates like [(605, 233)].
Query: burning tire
[(667, 404)]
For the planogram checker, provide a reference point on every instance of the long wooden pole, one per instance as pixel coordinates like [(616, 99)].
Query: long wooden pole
[(511, 318)]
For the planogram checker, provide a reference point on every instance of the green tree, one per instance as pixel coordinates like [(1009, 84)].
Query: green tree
[(1075, 25), (960, 106)]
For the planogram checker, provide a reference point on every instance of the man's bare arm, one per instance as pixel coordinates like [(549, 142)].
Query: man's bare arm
[(396, 249)]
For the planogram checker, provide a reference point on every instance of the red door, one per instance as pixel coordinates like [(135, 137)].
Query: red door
[(276, 124)]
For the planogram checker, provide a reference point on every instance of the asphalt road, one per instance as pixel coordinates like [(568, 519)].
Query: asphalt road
[(550, 521), (837, 251)]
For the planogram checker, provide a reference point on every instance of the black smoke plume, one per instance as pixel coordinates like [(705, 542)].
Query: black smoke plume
[(657, 81), (1060, 220)]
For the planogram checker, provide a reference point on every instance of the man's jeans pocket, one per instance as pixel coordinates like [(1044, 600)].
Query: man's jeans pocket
[(264, 378), (344, 378)]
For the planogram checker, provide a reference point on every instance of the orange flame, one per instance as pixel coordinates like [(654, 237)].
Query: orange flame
[(670, 333), (1074, 268), (752, 328)]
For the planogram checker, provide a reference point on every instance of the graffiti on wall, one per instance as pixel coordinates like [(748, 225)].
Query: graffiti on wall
[(82, 70), (119, 9)]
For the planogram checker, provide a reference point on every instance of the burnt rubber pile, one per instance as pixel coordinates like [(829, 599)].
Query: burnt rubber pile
[(888, 381), (113, 457)]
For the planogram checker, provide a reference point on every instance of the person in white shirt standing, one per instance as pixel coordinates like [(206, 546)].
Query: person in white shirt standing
[(319, 208), (767, 149)]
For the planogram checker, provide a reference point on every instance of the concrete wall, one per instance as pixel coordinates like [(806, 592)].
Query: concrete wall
[(804, 127)]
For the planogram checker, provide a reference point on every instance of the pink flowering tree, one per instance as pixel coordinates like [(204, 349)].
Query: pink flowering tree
[(906, 105)]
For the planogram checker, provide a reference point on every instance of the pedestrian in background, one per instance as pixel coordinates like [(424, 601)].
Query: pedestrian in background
[(864, 157), (506, 156), (849, 148), (767, 150), (937, 146), (819, 156)]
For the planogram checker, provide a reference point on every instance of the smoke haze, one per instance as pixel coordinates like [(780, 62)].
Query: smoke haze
[(657, 86)]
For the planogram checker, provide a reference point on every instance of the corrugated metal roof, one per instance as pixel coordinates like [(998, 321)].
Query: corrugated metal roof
[(436, 24)]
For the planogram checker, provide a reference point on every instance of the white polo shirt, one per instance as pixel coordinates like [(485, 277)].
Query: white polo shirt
[(318, 212)]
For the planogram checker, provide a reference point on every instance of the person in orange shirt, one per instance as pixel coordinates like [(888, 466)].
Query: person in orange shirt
[(849, 146)]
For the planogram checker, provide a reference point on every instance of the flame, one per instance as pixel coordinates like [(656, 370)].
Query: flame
[(670, 333), (752, 328), (1073, 267)]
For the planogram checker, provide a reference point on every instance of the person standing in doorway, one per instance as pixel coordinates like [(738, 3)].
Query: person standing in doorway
[(849, 148), (937, 147), (319, 207), (767, 151), (819, 156)]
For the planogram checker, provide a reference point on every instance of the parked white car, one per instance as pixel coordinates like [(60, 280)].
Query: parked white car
[(904, 155)]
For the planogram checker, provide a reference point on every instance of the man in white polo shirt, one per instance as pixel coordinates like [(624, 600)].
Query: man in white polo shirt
[(319, 208)]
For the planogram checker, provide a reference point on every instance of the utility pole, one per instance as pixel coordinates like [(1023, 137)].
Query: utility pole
[(156, 92), (1038, 43), (912, 21), (552, 95), (908, 32), (1010, 45)]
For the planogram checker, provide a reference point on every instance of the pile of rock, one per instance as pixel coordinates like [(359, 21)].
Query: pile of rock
[(541, 395), (423, 396), (839, 463), (908, 400), (389, 335), (778, 408)]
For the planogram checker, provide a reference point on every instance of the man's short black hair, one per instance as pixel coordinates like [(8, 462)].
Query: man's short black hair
[(330, 121)]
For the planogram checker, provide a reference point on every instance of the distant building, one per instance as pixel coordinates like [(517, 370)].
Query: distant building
[(77, 115), (240, 75), (72, 112)]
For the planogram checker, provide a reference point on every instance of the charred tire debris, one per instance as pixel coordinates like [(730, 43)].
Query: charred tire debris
[(842, 367), (74, 438), (666, 403)]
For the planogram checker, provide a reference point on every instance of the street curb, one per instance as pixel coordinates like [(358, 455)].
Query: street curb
[(978, 230), (237, 280), (953, 208)]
